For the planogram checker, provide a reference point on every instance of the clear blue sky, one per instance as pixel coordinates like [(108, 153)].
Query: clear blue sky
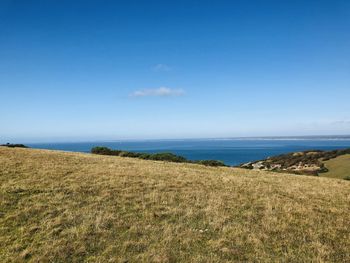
[(95, 70)]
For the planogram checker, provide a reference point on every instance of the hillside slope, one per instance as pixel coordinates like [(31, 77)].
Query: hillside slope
[(307, 162), (63, 207), (338, 167)]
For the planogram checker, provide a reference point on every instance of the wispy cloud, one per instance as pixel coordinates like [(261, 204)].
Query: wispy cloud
[(158, 92), (161, 68)]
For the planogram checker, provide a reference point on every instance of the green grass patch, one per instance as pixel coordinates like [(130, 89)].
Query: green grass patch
[(338, 167)]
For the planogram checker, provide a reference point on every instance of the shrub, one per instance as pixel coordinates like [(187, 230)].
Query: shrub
[(145, 156), (101, 150), (211, 162), (170, 157), (347, 178), (12, 145), (129, 154), (323, 169), (104, 151)]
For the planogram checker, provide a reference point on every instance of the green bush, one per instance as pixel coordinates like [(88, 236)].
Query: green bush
[(104, 151), (347, 178), (12, 145), (169, 157), (145, 156), (129, 154), (101, 150), (211, 163)]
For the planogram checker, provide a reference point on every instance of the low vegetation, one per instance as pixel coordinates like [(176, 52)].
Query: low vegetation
[(14, 145), (169, 157), (307, 162), (75, 207)]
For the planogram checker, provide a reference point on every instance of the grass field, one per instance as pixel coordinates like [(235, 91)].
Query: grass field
[(74, 207), (338, 167)]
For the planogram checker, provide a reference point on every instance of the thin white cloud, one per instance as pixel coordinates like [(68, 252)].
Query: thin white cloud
[(161, 68), (158, 92)]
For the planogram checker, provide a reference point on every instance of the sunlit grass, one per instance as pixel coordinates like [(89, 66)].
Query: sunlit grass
[(63, 207), (338, 167)]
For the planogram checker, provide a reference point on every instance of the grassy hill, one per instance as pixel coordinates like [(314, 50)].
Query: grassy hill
[(63, 207), (338, 167)]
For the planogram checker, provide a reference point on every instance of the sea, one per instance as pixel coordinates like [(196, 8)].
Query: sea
[(232, 151)]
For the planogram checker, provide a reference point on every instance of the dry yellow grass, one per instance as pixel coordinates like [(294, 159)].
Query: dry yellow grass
[(64, 207)]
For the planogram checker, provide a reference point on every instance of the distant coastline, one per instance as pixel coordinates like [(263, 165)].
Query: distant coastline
[(287, 138), (243, 138)]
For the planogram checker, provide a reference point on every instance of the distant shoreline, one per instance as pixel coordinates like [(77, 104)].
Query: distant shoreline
[(253, 138)]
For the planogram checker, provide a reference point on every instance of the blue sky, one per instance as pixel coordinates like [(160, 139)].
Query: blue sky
[(101, 70)]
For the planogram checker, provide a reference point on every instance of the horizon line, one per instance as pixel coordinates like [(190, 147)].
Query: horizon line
[(278, 137)]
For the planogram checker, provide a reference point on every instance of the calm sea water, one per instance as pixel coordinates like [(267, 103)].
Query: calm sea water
[(230, 151)]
